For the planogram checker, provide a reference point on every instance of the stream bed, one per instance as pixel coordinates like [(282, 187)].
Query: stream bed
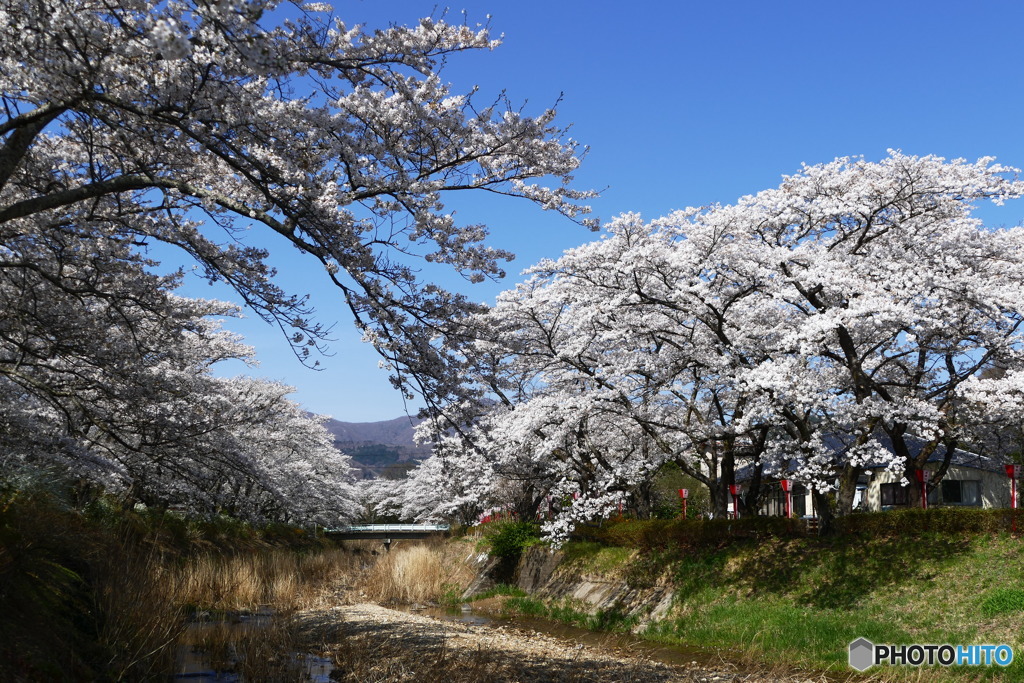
[(210, 650), (676, 655)]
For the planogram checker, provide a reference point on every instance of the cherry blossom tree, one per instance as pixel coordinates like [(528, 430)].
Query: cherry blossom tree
[(889, 298), (190, 123), (105, 375), (195, 125), (840, 320)]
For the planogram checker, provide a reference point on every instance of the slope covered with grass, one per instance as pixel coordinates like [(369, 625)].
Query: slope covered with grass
[(798, 600)]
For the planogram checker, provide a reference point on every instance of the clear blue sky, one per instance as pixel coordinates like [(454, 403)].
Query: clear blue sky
[(690, 103)]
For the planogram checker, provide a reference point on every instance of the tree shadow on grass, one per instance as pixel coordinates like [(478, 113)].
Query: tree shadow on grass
[(839, 573)]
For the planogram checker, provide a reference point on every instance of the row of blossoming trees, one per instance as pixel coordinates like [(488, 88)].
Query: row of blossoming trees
[(202, 126), (804, 332), (858, 301)]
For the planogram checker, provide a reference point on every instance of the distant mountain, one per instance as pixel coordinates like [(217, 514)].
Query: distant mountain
[(382, 448), (396, 432)]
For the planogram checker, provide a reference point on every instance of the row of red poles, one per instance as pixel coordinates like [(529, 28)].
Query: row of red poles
[(1012, 471), (923, 476)]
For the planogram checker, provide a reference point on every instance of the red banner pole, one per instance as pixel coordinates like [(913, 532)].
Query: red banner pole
[(1013, 471)]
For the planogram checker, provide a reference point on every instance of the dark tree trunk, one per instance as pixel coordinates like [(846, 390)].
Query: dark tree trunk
[(643, 499), (750, 501), (826, 515), (848, 477)]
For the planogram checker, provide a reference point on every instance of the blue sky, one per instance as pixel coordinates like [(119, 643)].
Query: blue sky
[(685, 104)]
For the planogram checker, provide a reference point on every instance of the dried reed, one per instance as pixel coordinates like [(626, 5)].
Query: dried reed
[(416, 574)]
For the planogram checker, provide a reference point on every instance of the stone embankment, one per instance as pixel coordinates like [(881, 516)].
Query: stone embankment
[(544, 574)]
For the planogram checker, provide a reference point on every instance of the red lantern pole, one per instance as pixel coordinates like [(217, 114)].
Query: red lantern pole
[(1013, 471), (734, 491), (787, 488), (683, 495), (922, 478)]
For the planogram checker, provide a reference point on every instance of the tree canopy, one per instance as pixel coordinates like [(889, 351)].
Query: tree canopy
[(195, 124), (804, 332)]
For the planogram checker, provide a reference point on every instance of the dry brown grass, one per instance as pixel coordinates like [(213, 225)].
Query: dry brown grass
[(265, 648), (144, 596), (417, 574), (279, 578), (138, 619)]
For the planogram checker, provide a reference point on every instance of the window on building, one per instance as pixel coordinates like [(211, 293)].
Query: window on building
[(777, 503), (799, 500), (894, 494), (961, 492)]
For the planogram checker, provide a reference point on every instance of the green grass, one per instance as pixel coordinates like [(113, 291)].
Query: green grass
[(804, 600), (801, 601), (592, 557), (500, 590), (613, 619), (1003, 601), (776, 630)]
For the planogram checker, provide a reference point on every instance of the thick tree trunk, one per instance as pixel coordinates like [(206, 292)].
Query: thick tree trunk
[(848, 477), (826, 515), (750, 500), (527, 505), (914, 488), (720, 498), (642, 499)]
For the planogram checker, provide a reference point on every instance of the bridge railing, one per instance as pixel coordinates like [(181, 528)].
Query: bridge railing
[(390, 528)]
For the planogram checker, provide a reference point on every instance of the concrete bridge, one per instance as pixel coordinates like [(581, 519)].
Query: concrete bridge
[(387, 532)]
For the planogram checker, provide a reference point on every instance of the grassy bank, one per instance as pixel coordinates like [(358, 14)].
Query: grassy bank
[(788, 598)]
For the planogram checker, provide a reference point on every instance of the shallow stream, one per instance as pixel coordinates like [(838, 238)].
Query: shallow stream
[(209, 649)]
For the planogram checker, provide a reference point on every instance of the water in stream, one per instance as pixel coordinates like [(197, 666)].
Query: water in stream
[(209, 651)]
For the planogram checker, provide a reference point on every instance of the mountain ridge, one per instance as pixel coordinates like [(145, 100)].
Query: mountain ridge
[(385, 448)]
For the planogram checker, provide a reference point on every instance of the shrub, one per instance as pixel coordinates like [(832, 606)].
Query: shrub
[(914, 521), (512, 538), (661, 533)]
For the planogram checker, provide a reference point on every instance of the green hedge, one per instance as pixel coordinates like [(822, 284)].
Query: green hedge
[(661, 533), (942, 519)]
